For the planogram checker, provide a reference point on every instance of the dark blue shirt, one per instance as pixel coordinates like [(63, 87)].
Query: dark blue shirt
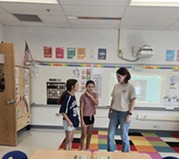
[(69, 107)]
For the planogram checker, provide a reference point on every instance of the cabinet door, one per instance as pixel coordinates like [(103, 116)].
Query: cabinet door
[(22, 97), (8, 135)]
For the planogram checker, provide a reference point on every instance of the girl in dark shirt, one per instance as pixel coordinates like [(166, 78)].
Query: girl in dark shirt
[(69, 112)]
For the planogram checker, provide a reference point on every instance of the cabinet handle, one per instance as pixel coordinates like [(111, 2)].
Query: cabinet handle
[(10, 101)]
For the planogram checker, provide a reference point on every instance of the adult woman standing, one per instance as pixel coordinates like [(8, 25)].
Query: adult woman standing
[(122, 105)]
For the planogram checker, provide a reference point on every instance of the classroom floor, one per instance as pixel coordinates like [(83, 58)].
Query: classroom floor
[(156, 144), (35, 139)]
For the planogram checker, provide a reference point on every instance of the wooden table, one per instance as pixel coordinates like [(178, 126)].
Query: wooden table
[(75, 154), (119, 155), (61, 154)]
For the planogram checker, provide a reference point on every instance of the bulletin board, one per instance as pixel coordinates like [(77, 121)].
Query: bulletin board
[(57, 74), (155, 88)]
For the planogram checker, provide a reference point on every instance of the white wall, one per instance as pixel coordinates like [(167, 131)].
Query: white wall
[(168, 120), (96, 38), (160, 41), (92, 39), (55, 37)]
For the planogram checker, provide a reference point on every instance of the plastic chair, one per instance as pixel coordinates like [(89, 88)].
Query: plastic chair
[(170, 157), (15, 155)]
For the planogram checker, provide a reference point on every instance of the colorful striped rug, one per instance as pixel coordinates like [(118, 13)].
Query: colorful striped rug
[(157, 145)]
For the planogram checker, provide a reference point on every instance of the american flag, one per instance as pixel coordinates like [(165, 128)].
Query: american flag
[(26, 55)]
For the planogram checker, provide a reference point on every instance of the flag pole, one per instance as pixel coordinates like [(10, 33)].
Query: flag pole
[(32, 62)]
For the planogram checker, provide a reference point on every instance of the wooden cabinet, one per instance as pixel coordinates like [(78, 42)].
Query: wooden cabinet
[(14, 96)]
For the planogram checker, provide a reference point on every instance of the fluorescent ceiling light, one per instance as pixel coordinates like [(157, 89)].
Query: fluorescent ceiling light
[(32, 1), (166, 3), (72, 17), (94, 18)]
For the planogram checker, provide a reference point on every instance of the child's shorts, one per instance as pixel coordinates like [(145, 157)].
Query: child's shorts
[(67, 127), (89, 120)]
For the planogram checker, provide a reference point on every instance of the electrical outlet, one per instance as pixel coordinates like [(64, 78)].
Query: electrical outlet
[(156, 126), (141, 116)]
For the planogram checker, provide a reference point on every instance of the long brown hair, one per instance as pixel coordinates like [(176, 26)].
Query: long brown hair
[(70, 83), (123, 71)]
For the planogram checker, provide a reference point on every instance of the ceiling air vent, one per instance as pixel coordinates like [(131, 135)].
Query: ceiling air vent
[(28, 17)]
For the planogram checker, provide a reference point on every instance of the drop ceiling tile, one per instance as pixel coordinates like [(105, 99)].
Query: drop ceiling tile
[(94, 11), (142, 27), (56, 25), (150, 23), (96, 2), (6, 17), (38, 24), (165, 22), (132, 17), (24, 8), (8, 23), (2, 10), (95, 23), (175, 26), (94, 27), (153, 12), (55, 20)]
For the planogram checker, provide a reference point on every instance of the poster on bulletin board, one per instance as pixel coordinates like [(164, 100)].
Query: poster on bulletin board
[(171, 98)]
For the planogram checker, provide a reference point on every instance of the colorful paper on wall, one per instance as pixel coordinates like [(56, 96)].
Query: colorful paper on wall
[(82, 79), (101, 54), (177, 55), (81, 53), (60, 52), (91, 54), (82, 75), (47, 52), (170, 54), (88, 74), (98, 83), (71, 52)]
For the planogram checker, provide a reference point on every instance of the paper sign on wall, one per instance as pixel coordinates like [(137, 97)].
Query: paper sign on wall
[(60, 52), (101, 54), (81, 53), (71, 52), (47, 52), (170, 54), (178, 55)]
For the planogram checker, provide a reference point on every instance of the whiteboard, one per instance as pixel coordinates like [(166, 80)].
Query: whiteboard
[(151, 85), (61, 73), (154, 87)]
